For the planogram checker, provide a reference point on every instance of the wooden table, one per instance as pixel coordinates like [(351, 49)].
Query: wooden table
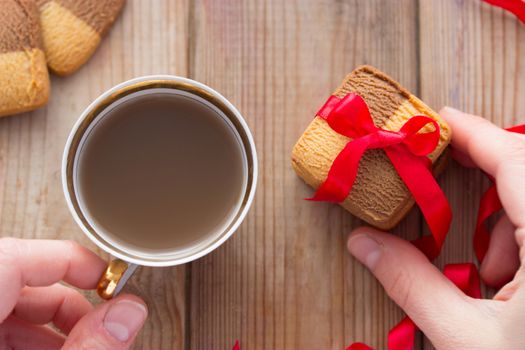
[(285, 280)]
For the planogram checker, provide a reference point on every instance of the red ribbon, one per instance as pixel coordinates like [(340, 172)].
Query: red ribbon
[(517, 7), (488, 205), (407, 150), (465, 276), (359, 346), (403, 335)]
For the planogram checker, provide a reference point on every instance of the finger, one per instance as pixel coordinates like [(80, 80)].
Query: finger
[(435, 304), (502, 259), (520, 136), (112, 325), (41, 263), (514, 291), (59, 304), (20, 335), (507, 291), (60, 260), (488, 145), (498, 152)]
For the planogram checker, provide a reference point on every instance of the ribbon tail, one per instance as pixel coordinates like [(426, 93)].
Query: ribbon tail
[(488, 205), (465, 277), (427, 194), (403, 335), (517, 7), (359, 346), (518, 129)]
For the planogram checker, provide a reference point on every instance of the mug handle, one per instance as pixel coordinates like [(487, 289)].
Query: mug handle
[(114, 278)]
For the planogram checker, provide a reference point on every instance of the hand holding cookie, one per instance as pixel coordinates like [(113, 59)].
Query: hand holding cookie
[(449, 317)]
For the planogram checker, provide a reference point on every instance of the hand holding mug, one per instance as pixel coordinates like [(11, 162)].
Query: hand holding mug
[(30, 270), (32, 296)]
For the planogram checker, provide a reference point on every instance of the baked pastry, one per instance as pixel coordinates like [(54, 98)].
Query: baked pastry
[(24, 80), (72, 30), (378, 196)]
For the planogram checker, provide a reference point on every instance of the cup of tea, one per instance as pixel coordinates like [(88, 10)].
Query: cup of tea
[(158, 171)]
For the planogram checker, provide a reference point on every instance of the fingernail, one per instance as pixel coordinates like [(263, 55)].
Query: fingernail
[(124, 319), (365, 249)]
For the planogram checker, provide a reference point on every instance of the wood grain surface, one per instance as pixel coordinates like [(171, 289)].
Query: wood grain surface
[(285, 279)]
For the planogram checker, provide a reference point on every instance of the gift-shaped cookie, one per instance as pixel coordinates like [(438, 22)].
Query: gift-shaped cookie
[(398, 135), (24, 80), (72, 30)]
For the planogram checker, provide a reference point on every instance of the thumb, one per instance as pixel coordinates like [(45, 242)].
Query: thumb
[(434, 303), (112, 325)]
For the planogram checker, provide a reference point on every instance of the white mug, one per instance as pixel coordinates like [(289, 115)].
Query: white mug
[(127, 258)]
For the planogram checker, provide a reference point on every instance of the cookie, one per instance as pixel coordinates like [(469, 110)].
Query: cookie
[(72, 30), (378, 196), (24, 80)]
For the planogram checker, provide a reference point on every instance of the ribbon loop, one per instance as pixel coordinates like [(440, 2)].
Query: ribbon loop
[(418, 143), (358, 123)]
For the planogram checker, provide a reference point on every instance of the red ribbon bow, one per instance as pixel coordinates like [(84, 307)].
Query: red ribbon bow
[(407, 149)]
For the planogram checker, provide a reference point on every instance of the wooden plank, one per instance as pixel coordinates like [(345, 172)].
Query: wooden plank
[(148, 38), (285, 280), (471, 59)]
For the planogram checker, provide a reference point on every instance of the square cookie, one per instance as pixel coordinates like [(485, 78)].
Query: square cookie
[(378, 196)]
